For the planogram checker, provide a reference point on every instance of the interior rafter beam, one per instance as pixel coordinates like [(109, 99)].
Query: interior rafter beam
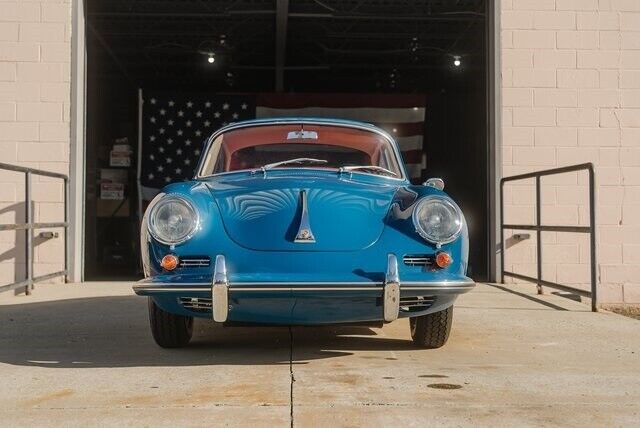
[(282, 17)]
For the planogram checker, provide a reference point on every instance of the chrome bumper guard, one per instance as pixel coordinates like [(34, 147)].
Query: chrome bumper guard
[(220, 288), (220, 291), (391, 293)]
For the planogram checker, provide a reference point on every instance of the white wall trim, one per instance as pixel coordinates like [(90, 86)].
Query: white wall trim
[(494, 94), (77, 143)]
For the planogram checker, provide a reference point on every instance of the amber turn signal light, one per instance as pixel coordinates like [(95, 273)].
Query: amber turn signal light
[(443, 260), (169, 262)]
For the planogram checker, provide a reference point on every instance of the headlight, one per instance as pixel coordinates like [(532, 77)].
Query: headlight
[(172, 220), (437, 219)]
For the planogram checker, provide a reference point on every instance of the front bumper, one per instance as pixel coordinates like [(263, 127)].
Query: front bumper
[(222, 299)]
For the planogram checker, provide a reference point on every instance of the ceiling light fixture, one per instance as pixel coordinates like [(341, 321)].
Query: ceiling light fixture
[(211, 59), (456, 60)]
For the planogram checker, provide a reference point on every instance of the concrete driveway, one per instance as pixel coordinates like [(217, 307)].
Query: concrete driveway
[(82, 355)]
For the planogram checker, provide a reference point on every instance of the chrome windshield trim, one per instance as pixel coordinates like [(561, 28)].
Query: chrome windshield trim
[(364, 127)]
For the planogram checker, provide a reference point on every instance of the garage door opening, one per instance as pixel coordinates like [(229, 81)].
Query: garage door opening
[(419, 69)]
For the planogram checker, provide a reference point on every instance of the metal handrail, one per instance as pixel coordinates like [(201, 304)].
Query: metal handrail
[(29, 226), (539, 228)]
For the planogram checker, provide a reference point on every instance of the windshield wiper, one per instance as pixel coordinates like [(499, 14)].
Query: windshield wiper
[(371, 168), (293, 162)]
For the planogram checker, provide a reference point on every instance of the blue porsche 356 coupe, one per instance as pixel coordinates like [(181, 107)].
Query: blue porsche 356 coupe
[(303, 222)]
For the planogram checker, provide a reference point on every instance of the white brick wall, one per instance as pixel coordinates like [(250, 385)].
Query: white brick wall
[(35, 52), (571, 87), (571, 94)]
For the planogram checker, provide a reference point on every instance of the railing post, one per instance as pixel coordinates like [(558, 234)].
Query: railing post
[(67, 246), (28, 217), (501, 232), (538, 234), (592, 238)]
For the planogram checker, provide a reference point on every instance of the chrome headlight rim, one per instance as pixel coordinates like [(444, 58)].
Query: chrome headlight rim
[(163, 199), (421, 231)]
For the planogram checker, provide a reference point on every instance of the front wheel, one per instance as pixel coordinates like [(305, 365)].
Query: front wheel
[(169, 330), (431, 331)]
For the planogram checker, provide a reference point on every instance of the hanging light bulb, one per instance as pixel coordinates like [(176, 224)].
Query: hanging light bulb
[(456, 60), (211, 59)]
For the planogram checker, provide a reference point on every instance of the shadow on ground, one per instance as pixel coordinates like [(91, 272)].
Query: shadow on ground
[(114, 332)]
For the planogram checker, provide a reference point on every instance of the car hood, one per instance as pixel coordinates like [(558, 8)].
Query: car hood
[(264, 214)]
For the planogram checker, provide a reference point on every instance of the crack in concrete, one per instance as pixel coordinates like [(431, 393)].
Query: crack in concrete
[(291, 376)]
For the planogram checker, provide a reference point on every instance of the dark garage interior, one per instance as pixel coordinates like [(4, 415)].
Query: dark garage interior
[(366, 54)]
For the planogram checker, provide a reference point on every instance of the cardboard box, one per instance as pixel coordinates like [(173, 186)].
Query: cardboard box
[(107, 208), (119, 158), (114, 175), (112, 191)]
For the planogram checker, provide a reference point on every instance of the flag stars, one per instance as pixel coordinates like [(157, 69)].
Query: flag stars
[(174, 129)]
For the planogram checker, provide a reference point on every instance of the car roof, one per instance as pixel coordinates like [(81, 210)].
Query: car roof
[(315, 120)]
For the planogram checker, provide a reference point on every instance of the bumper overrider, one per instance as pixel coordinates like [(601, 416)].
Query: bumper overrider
[(220, 289)]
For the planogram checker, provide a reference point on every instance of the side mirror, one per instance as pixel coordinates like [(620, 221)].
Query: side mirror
[(437, 183)]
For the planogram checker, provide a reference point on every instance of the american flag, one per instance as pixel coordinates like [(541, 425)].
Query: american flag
[(175, 125)]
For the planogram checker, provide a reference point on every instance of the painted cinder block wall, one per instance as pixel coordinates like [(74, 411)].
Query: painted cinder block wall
[(571, 94), (570, 90), (35, 55)]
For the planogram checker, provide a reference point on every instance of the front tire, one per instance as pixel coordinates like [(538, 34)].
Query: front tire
[(431, 331), (169, 330)]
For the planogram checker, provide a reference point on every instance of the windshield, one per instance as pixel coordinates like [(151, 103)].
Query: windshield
[(301, 146)]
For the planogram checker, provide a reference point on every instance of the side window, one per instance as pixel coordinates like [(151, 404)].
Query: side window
[(384, 159), (210, 164)]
